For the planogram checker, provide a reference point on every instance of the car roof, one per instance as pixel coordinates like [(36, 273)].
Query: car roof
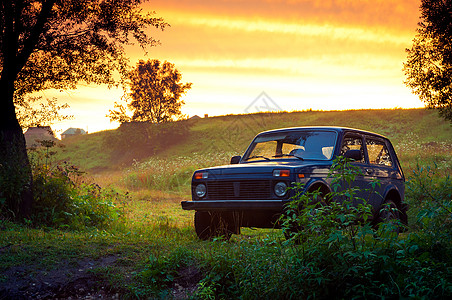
[(331, 128)]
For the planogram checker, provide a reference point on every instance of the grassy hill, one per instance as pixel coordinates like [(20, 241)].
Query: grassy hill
[(117, 149)]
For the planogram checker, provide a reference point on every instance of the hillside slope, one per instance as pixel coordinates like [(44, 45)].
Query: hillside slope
[(115, 149)]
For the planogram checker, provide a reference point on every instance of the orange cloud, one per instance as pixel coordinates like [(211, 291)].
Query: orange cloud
[(399, 14)]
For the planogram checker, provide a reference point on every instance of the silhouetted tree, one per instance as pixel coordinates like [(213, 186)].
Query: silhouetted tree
[(56, 44), (429, 64), (155, 91)]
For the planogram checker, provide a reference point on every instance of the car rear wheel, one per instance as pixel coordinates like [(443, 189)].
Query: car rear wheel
[(209, 225), (389, 213)]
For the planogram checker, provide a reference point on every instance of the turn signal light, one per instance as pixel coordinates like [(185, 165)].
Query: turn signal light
[(281, 173), (201, 175)]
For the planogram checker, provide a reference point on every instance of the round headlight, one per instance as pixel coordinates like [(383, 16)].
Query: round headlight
[(200, 190), (280, 189)]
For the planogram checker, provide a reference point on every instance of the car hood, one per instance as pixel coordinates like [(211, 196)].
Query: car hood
[(264, 167)]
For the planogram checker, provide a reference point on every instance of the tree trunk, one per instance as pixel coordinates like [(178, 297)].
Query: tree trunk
[(16, 196)]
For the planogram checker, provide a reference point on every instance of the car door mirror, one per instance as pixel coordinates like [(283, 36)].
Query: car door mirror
[(235, 159), (354, 154)]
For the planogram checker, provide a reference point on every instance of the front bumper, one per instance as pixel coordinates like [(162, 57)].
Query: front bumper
[(228, 205)]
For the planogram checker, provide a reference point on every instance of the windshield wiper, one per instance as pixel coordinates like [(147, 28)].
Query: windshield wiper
[(281, 155), (258, 156)]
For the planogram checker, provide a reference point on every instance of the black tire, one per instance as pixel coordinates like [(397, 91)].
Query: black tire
[(389, 213), (209, 225)]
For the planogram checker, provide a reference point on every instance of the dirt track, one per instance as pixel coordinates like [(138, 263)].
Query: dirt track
[(78, 280)]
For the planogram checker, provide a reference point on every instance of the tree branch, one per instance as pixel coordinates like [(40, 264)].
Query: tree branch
[(32, 40)]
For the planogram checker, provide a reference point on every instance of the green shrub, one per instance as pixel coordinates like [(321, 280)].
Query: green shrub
[(62, 199), (429, 192)]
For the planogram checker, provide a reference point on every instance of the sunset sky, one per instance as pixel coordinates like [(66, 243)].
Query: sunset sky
[(303, 54)]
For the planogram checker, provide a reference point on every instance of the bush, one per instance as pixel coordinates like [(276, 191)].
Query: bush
[(62, 199), (429, 192)]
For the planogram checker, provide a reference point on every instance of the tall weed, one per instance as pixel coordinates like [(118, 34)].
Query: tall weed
[(170, 174), (429, 190)]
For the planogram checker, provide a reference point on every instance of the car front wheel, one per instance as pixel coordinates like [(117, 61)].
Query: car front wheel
[(209, 225)]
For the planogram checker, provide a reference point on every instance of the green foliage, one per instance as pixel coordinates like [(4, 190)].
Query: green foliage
[(63, 199), (159, 272), (429, 192), (314, 215), (156, 253)]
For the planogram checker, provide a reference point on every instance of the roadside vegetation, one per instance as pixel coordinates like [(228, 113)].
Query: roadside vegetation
[(117, 230)]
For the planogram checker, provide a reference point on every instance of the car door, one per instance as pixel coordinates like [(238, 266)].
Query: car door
[(380, 167), (355, 141)]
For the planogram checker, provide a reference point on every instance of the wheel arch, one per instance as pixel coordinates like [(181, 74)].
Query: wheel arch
[(320, 185), (394, 195)]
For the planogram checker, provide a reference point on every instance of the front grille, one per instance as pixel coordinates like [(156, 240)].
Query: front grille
[(240, 190)]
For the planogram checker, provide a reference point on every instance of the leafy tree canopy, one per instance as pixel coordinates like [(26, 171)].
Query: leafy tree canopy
[(429, 64), (59, 43), (155, 91)]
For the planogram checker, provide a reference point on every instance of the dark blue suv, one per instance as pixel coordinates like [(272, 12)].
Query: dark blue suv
[(253, 190)]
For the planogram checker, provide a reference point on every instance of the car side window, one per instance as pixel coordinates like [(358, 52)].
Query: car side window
[(378, 152), (352, 143)]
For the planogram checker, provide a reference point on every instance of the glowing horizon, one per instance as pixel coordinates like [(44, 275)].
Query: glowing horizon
[(304, 54)]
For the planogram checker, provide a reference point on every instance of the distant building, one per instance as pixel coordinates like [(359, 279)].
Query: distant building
[(195, 117), (34, 135), (72, 132)]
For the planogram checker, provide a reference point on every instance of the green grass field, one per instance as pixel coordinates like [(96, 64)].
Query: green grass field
[(153, 251), (232, 134)]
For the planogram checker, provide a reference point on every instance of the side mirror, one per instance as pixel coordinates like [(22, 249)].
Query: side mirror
[(235, 159), (354, 154)]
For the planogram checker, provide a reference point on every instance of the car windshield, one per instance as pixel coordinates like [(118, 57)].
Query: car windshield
[(303, 144)]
